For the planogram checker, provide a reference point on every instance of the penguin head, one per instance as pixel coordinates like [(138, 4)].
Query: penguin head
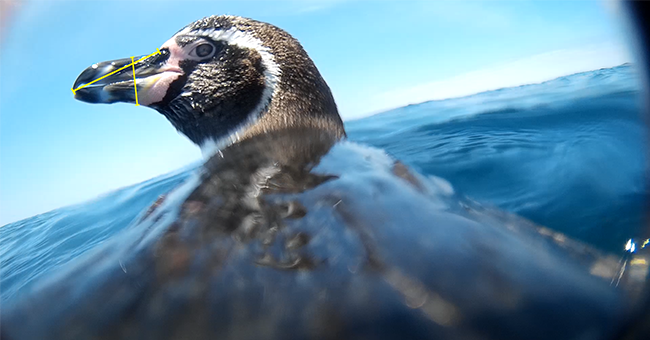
[(218, 80)]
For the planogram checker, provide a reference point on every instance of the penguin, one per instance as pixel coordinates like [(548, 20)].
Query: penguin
[(290, 231)]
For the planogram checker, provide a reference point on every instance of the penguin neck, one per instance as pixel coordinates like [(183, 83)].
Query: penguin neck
[(306, 103)]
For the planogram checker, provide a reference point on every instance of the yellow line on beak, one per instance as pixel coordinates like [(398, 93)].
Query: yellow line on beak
[(119, 69), (135, 85)]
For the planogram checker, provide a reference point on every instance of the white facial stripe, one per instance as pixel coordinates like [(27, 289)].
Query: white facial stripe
[(241, 39), (272, 75)]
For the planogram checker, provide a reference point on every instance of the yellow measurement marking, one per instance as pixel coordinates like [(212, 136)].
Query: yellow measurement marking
[(118, 70), (135, 85)]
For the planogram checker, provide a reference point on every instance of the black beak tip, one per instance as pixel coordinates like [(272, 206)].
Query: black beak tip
[(88, 95), (109, 81), (88, 75)]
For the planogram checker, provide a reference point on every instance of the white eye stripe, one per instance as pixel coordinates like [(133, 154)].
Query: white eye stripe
[(238, 38)]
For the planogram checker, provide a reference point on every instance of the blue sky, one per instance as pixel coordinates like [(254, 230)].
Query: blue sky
[(56, 151)]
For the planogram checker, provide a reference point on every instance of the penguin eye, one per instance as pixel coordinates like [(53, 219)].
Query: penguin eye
[(204, 50)]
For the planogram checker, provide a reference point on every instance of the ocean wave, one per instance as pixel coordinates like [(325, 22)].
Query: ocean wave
[(568, 154)]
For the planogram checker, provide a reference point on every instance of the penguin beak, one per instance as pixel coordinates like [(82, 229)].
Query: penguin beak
[(116, 80)]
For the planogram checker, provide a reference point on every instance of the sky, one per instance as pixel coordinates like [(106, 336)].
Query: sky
[(375, 55)]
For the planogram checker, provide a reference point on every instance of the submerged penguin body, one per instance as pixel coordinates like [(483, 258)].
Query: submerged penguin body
[(339, 241)]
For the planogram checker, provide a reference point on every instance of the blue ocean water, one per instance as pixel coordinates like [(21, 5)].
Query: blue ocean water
[(567, 154)]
